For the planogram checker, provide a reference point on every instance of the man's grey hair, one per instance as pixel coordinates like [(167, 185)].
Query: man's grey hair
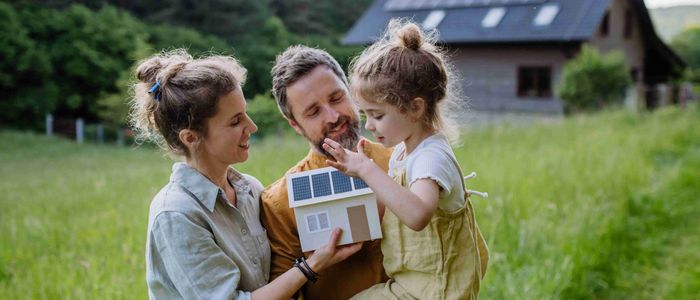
[(293, 64)]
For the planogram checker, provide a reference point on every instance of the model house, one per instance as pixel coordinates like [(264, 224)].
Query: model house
[(324, 199), (510, 53)]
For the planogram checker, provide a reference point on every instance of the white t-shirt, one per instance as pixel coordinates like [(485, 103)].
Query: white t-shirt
[(430, 160)]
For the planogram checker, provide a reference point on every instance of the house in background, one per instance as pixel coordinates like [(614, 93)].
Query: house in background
[(324, 199), (510, 53)]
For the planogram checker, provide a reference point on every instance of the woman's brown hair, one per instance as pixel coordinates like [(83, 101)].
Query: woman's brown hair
[(187, 93)]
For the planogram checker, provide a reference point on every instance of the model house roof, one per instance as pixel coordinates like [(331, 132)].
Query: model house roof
[(322, 185)]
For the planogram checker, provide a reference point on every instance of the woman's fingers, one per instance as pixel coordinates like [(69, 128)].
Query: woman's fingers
[(343, 252), (335, 235)]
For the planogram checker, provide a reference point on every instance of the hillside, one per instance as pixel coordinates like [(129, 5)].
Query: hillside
[(670, 21)]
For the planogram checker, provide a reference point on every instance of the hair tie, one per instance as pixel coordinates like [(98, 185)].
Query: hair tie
[(155, 89)]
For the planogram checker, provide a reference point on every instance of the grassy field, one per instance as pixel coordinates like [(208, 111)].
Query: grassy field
[(605, 206)]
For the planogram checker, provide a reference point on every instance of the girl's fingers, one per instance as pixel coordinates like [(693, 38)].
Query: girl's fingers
[(361, 146), (335, 165), (331, 142), (332, 151)]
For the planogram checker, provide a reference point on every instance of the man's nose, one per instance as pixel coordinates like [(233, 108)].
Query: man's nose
[(332, 115)]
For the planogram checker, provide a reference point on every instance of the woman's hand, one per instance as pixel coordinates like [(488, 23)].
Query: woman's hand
[(331, 254), (348, 162)]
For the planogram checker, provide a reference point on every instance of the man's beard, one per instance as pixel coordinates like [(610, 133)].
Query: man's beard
[(348, 139)]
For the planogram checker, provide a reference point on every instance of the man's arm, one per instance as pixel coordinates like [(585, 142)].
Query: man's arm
[(281, 227)]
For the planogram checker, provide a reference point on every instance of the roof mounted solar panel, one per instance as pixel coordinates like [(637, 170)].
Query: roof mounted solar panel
[(321, 185), (399, 5), (341, 182), (359, 183), (301, 188)]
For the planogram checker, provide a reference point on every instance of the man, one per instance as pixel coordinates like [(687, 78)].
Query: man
[(311, 91)]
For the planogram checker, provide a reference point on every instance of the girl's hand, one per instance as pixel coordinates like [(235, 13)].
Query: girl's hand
[(331, 254), (348, 162)]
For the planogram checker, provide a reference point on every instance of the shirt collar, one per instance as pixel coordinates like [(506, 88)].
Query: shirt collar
[(202, 188)]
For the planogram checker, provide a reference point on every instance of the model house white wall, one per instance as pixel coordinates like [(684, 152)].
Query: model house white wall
[(324, 199)]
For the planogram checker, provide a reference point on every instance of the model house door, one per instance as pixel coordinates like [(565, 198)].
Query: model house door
[(359, 226)]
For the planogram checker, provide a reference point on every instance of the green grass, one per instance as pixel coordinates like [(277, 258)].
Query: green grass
[(604, 206)]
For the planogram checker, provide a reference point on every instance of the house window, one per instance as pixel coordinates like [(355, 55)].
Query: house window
[(628, 23), (433, 19), (535, 82), (493, 17), (546, 15), (605, 26), (317, 222)]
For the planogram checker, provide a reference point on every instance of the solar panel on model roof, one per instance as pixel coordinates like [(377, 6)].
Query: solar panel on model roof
[(319, 185), (395, 5)]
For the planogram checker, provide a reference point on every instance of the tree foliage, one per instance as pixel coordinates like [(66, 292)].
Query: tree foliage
[(264, 112), (592, 81), (687, 45), (76, 58)]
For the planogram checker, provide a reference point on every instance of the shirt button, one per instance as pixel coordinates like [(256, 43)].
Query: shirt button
[(244, 231)]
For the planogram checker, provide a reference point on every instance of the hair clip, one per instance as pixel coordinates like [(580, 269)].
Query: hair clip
[(155, 89)]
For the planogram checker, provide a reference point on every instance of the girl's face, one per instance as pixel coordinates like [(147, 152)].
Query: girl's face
[(229, 131), (388, 125)]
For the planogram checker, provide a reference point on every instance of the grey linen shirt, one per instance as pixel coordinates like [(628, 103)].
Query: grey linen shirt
[(201, 247)]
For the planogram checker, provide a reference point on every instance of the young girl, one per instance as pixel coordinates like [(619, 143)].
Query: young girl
[(432, 246)]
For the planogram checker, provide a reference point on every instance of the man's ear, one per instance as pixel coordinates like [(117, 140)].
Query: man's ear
[(189, 138), (296, 126), (417, 108)]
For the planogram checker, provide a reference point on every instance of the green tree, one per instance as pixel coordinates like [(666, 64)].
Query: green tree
[(264, 112), (592, 81), (166, 37), (257, 53), (687, 44), (88, 51), (25, 72)]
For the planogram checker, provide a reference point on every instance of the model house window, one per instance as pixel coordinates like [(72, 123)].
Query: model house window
[(628, 23), (317, 222), (535, 82), (605, 25)]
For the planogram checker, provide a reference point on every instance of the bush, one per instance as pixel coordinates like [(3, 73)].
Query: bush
[(264, 112), (592, 81)]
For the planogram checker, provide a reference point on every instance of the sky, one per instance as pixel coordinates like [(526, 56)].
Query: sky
[(663, 3)]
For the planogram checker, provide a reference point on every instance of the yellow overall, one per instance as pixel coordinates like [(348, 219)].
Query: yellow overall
[(445, 260)]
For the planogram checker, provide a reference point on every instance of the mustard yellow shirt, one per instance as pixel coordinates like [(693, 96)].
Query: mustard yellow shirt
[(341, 281)]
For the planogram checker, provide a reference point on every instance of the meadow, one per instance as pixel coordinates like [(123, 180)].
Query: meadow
[(603, 206)]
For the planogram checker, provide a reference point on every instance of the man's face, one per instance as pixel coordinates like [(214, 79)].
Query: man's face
[(321, 106)]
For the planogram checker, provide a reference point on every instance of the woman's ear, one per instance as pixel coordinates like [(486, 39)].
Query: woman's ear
[(417, 108), (189, 138)]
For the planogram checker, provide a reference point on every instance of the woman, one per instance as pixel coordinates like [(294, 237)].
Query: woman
[(205, 240)]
